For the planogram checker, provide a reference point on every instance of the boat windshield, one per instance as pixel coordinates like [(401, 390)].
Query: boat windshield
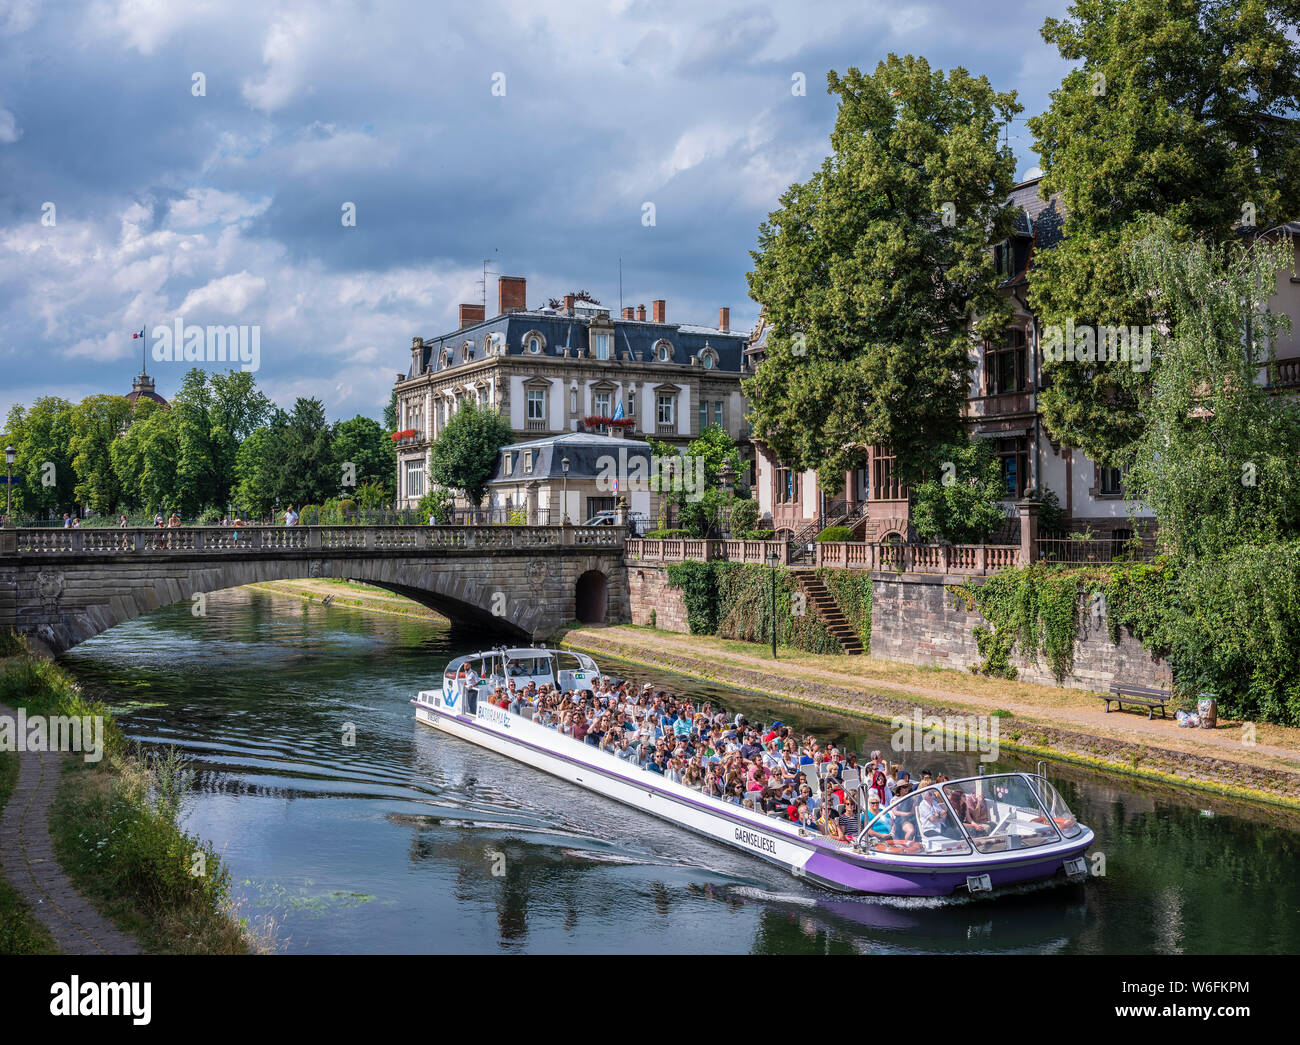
[(1056, 808), (922, 824), (992, 813), (525, 666)]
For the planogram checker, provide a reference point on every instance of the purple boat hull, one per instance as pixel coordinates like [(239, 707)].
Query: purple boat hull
[(925, 880)]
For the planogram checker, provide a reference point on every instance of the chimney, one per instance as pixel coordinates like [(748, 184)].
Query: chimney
[(724, 320), (569, 299), (469, 315), (511, 294), (627, 312), (660, 307), (640, 313)]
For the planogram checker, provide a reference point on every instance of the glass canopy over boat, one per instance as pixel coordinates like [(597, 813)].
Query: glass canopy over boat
[(985, 814)]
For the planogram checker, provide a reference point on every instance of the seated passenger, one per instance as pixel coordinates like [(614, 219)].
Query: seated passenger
[(934, 819), (880, 825), (977, 819)]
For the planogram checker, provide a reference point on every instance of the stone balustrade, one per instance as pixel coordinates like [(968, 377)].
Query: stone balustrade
[(37, 542), (683, 550)]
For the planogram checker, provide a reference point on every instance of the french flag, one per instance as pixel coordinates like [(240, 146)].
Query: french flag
[(141, 334)]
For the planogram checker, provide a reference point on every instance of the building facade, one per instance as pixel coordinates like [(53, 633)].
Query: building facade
[(575, 476), (571, 369), (1002, 404)]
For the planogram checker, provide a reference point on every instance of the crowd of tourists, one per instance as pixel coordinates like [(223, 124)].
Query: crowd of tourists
[(768, 768)]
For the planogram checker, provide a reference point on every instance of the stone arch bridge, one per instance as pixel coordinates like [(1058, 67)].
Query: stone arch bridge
[(63, 586)]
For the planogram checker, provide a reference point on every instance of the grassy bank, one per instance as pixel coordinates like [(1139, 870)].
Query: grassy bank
[(116, 827), (1068, 725), (337, 592)]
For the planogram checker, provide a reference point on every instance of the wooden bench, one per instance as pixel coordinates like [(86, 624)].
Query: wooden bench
[(1143, 696)]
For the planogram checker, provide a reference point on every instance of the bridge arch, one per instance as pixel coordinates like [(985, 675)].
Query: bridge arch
[(511, 581), (591, 598)]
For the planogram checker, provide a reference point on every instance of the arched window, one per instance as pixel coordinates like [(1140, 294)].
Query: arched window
[(534, 342), (663, 351)]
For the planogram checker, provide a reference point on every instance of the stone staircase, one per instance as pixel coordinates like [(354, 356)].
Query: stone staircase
[(822, 603)]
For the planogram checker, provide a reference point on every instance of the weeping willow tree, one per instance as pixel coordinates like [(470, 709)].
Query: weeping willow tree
[(1217, 462), (1217, 459)]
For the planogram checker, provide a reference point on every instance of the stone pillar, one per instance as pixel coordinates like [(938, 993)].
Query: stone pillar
[(1028, 531), (622, 513), (530, 493)]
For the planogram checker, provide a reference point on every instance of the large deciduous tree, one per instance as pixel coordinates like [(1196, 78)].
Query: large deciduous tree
[(1175, 109), (42, 439), (464, 456), (872, 271)]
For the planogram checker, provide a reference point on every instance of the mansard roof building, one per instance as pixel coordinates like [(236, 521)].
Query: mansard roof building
[(552, 371)]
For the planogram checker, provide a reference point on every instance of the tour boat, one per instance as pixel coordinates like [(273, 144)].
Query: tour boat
[(1020, 830)]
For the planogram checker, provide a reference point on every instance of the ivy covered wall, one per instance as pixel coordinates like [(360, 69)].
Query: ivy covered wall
[(734, 601)]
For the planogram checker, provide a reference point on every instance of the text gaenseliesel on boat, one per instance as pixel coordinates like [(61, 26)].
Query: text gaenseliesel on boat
[(919, 847)]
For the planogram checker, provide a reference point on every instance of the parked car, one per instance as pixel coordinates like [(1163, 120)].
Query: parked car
[(638, 523)]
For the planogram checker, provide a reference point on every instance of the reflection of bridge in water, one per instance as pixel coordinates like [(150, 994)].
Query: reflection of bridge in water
[(62, 586)]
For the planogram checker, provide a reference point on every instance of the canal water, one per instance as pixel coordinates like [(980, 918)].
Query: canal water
[(408, 840)]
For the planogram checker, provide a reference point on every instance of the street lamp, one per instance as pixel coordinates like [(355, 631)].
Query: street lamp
[(564, 500), (10, 454), (772, 558)]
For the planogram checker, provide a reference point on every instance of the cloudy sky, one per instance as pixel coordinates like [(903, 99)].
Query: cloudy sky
[(226, 207)]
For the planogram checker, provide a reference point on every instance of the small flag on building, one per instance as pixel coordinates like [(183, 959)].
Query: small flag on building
[(140, 334)]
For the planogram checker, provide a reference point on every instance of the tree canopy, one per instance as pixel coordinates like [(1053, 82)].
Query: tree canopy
[(1175, 109), (871, 271), (464, 456)]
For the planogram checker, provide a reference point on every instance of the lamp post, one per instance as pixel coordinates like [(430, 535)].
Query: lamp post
[(564, 497), (772, 557), (10, 454)]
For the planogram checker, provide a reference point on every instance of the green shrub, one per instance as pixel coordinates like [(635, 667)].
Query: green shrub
[(743, 517), (835, 533), (669, 534), (210, 516), (758, 535)]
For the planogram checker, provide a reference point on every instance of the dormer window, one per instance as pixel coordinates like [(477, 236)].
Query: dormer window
[(534, 342), (510, 461), (534, 345), (528, 462), (600, 345), (663, 351)]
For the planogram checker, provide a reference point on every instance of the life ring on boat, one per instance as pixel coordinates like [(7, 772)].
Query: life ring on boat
[(1065, 821)]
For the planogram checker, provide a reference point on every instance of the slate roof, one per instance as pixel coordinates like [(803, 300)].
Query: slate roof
[(583, 449), (559, 330)]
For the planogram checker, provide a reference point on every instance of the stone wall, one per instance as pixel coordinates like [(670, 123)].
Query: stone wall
[(915, 619), (649, 590)]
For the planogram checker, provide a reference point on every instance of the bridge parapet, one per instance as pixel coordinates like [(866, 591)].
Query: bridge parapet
[(44, 543)]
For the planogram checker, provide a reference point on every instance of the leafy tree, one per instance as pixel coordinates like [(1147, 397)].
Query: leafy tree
[(872, 271), (96, 422), (439, 503), (1172, 110), (306, 474), (390, 413), (237, 405), (144, 457), (199, 464), (464, 456), (257, 470), (363, 443), (42, 439), (1217, 459), (960, 503)]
